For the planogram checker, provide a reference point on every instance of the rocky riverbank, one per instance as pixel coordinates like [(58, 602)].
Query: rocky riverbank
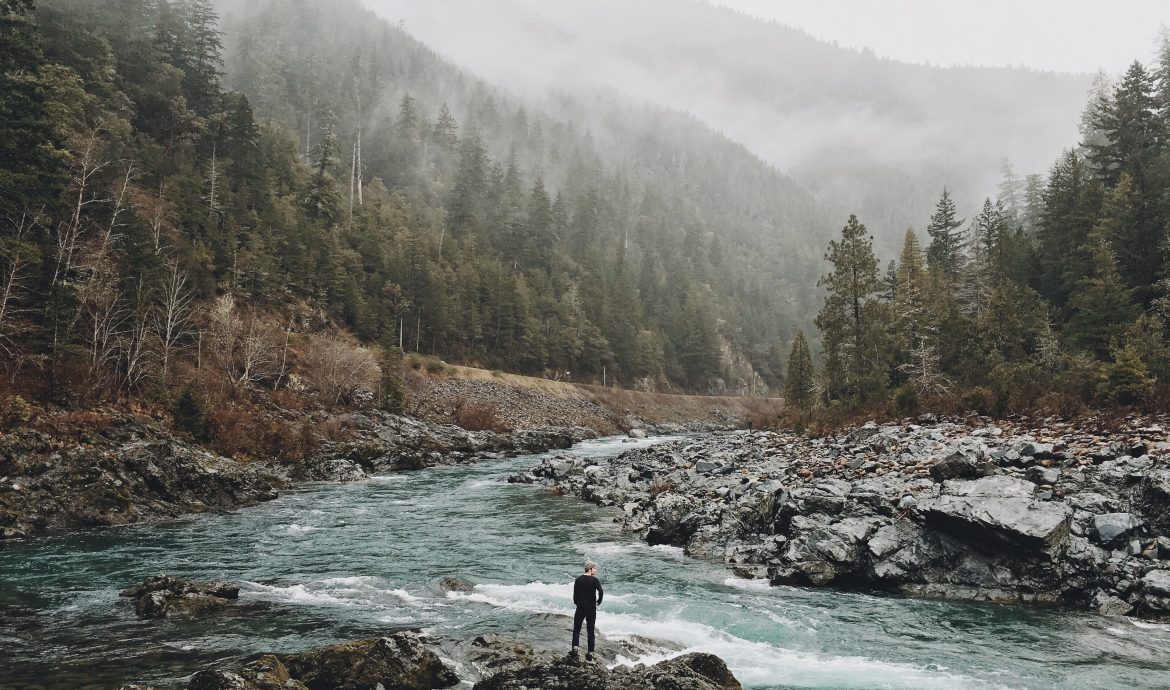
[(410, 660), (126, 469), (1066, 514)]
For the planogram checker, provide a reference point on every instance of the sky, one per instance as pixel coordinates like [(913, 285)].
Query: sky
[(1077, 36)]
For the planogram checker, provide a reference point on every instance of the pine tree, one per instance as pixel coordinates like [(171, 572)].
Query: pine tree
[(1071, 202), (1130, 127), (323, 202), (944, 254), (204, 56), (850, 320), (445, 131), (1101, 305), (800, 382)]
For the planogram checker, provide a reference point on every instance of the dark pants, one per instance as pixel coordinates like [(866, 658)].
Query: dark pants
[(589, 615)]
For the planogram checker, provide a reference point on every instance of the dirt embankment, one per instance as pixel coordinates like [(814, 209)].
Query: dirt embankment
[(477, 398)]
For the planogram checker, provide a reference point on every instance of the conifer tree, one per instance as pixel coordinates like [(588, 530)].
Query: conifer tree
[(1101, 305), (850, 320), (800, 381), (1129, 125), (944, 254)]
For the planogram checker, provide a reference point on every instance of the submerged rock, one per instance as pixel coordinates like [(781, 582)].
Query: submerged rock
[(160, 596)]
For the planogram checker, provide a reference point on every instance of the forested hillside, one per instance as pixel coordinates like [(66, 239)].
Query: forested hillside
[(867, 135), (1053, 297), (157, 221), (613, 237)]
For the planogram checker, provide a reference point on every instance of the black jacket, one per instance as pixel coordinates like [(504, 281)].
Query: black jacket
[(585, 589)]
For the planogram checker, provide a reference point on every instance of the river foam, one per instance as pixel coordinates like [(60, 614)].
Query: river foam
[(755, 663)]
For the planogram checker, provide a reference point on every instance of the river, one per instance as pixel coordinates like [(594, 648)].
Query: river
[(333, 562)]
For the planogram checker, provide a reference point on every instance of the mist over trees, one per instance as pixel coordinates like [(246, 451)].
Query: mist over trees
[(1053, 296), (865, 135)]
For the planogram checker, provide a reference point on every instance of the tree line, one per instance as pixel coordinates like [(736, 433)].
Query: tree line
[(1054, 296)]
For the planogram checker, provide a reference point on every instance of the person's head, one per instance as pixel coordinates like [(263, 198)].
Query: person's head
[(590, 568)]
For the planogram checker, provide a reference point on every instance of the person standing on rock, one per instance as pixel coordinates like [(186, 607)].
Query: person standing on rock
[(587, 594)]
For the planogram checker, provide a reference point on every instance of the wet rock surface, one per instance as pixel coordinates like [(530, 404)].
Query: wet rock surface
[(406, 660), (686, 672), (161, 596), (128, 472), (1049, 513), (399, 660), (383, 442)]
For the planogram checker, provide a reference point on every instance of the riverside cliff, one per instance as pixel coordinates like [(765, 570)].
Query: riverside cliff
[(1053, 514)]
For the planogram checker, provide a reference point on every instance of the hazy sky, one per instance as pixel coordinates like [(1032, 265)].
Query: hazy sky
[(1065, 35)]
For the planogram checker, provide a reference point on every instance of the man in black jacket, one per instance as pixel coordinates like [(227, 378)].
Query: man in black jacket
[(587, 594)]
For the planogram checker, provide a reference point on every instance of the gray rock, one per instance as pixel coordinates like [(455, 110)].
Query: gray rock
[(1001, 522), (1043, 475), (161, 596), (1112, 527), (964, 465)]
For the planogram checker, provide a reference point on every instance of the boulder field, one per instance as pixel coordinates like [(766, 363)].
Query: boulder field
[(1054, 513)]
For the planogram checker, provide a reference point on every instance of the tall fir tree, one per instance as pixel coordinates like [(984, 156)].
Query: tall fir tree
[(945, 253), (851, 319), (800, 386)]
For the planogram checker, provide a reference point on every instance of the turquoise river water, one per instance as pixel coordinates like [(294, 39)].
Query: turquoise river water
[(335, 562)]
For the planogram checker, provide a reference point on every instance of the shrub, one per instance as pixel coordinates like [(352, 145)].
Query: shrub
[(906, 401), (661, 485), (16, 413), (979, 400), (190, 414), (479, 417), (337, 370)]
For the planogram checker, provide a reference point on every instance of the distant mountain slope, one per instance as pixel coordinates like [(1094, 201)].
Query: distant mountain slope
[(867, 135), (668, 244)]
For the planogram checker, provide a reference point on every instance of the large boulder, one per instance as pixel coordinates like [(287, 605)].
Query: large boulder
[(686, 672), (670, 523), (399, 660), (160, 596), (999, 514)]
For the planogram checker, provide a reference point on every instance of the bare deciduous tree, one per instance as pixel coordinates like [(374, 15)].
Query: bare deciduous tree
[(244, 346), (15, 263), (171, 317), (335, 368), (135, 341)]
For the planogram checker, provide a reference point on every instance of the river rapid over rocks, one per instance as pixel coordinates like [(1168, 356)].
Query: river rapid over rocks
[(481, 570)]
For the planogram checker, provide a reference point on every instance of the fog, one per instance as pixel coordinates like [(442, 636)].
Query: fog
[(1062, 35), (875, 135)]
